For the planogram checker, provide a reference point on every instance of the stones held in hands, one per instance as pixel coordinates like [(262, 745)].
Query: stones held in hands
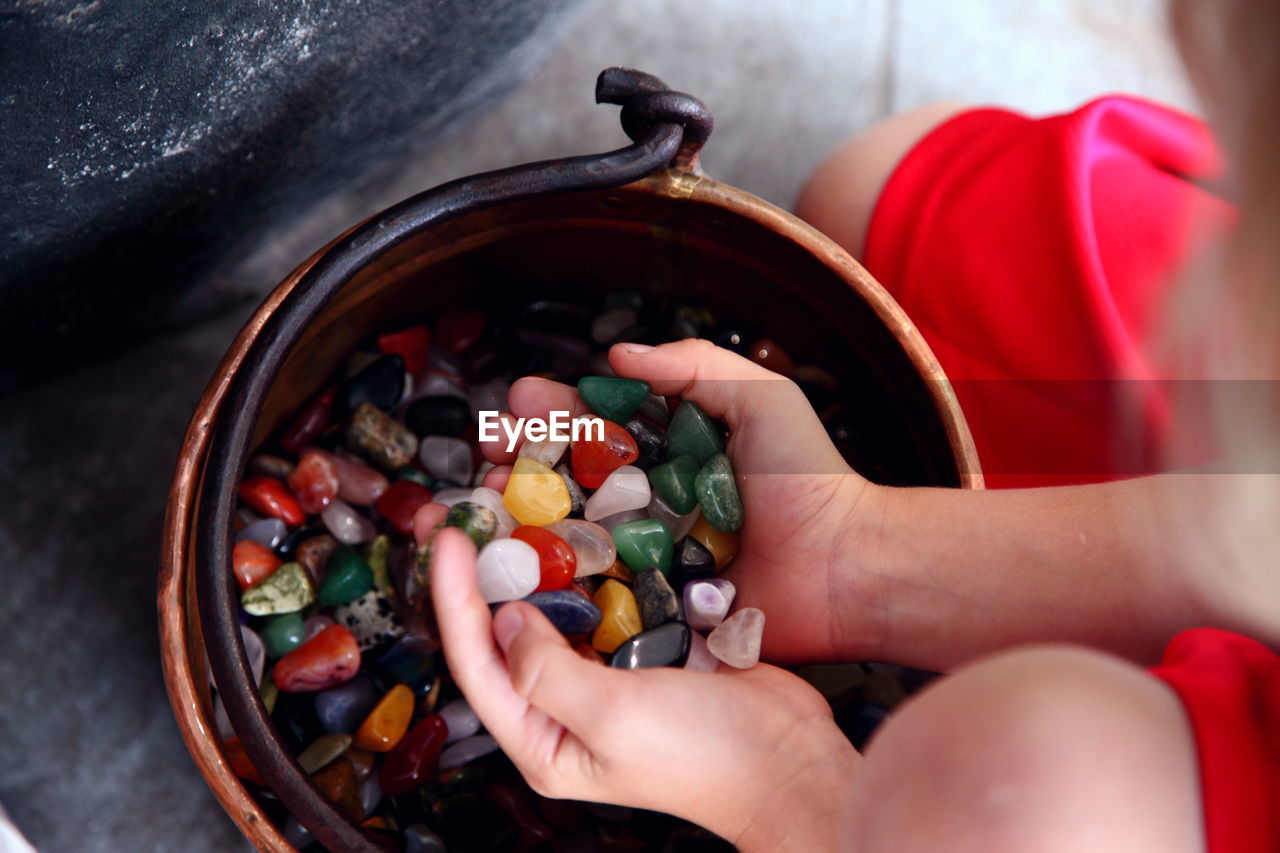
[(556, 560), (675, 481), (620, 616), (657, 601), (535, 494), (611, 398), (567, 610), (707, 603), (506, 570), (736, 641), (722, 545), (717, 494), (479, 522), (693, 433), (644, 544), (626, 488), (593, 458), (666, 645), (593, 548)]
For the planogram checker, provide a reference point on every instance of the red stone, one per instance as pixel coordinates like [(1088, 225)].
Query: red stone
[(401, 501), (593, 461), (458, 330), (310, 422), (326, 660), (357, 483), (556, 560), (314, 481), (234, 752), (415, 758), (252, 563), (269, 496), (411, 344)]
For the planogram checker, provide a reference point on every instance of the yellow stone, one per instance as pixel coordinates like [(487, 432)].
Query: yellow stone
[(387, 722), (535, 494), (620, 617), (723, 546), (621, 571)]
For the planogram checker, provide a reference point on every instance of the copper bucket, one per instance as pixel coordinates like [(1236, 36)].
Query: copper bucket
[(643, 217)]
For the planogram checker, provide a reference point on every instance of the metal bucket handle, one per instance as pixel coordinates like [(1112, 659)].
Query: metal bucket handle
[(667, 128)]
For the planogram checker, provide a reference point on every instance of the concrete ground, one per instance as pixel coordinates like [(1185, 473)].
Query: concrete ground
[(90, 759)]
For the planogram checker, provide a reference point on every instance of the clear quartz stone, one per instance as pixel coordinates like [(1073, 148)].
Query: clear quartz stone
[(611, 521), (737, 639), (507, 569), (449, 497), (707, 602), (446, 458), (700, 657), (593, 547), (347, 525), (626, 488), (679, 525)]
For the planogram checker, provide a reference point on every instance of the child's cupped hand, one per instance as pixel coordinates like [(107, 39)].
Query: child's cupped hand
[(797, 559), (752, 755)]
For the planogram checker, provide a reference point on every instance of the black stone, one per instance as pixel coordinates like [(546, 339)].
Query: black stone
[(651, 443), (691, 561), (149, 147), (666, 645), (442, 414), (380, 384), (658, 602), (288, 547), (294, 717)]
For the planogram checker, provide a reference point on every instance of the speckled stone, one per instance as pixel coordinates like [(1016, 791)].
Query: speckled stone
[(371, 619)]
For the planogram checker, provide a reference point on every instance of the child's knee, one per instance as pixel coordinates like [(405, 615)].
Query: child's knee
[(1009, 753), (841, 194)]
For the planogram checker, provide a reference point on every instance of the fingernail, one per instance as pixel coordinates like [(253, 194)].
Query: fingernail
[(507, 623), (636, 349)]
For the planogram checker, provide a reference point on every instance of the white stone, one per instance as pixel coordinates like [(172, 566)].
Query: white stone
[(700, 657), (546, 451), (626, 488), (593, 547), (737, 640), (461, 721), (679, 525), (707, 602), (447, 458), (507, 569), (347, 525), (466, 751), (269, 532), (449, 497)]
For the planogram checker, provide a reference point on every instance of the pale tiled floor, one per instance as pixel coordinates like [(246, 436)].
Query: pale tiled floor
[(89, 757)]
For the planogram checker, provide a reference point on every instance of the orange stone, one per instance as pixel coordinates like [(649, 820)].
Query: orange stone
[(620, 571), (723, 546), (240, 763), (620, 617), (252, 563), (387, 722)]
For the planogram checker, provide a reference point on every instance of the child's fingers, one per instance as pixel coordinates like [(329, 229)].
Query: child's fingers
[(496, 451), (496, 478), (554, 678)]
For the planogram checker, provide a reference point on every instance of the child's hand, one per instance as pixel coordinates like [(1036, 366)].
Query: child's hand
[(798, 558), (751, 755)]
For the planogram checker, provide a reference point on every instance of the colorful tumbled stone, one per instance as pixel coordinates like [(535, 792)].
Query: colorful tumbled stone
[(438, 414), (548, 451), (491, 499), (314, 481), (271, 497), (340, 709), (309, 422), (625, 489), (270, 465), (447, 458), (417, 475), (288, 589), (666, 645), (506, 569), (568, 611), (535, 494), (358, 484), (314, 624), (707, 602), (723, 546), (577, 498), (693, 433), (387, 722), (268, 532), (619, 616), (700, 658), (556, 560), (479, 522), (737, 639), (252, 562), (462, 721), (650, 443), (347, 525), (657, 601), (282, 634), (347, 578), (379, 384), (413, 760), (592, 545), (337, 782), (619, 571), (326, 660), (674, 481), (322, 751), (383, 439), (378, 555), (609, 522), (718, 494), (314, 553), (410, 661), (400, 501), (678, 524), (467, 750), (593, 458), (241, 765), (371, 619), (612, 399), (410, 344), (644, 544)]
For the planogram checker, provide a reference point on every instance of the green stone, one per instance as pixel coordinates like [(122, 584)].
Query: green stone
[(718, 494), (268, 690), (347, 578), (420, 477), (693, 433), (478, 522), (282, 634), (287, 589), (644, 544), (673, 481), (613, 399), (378, 555)]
